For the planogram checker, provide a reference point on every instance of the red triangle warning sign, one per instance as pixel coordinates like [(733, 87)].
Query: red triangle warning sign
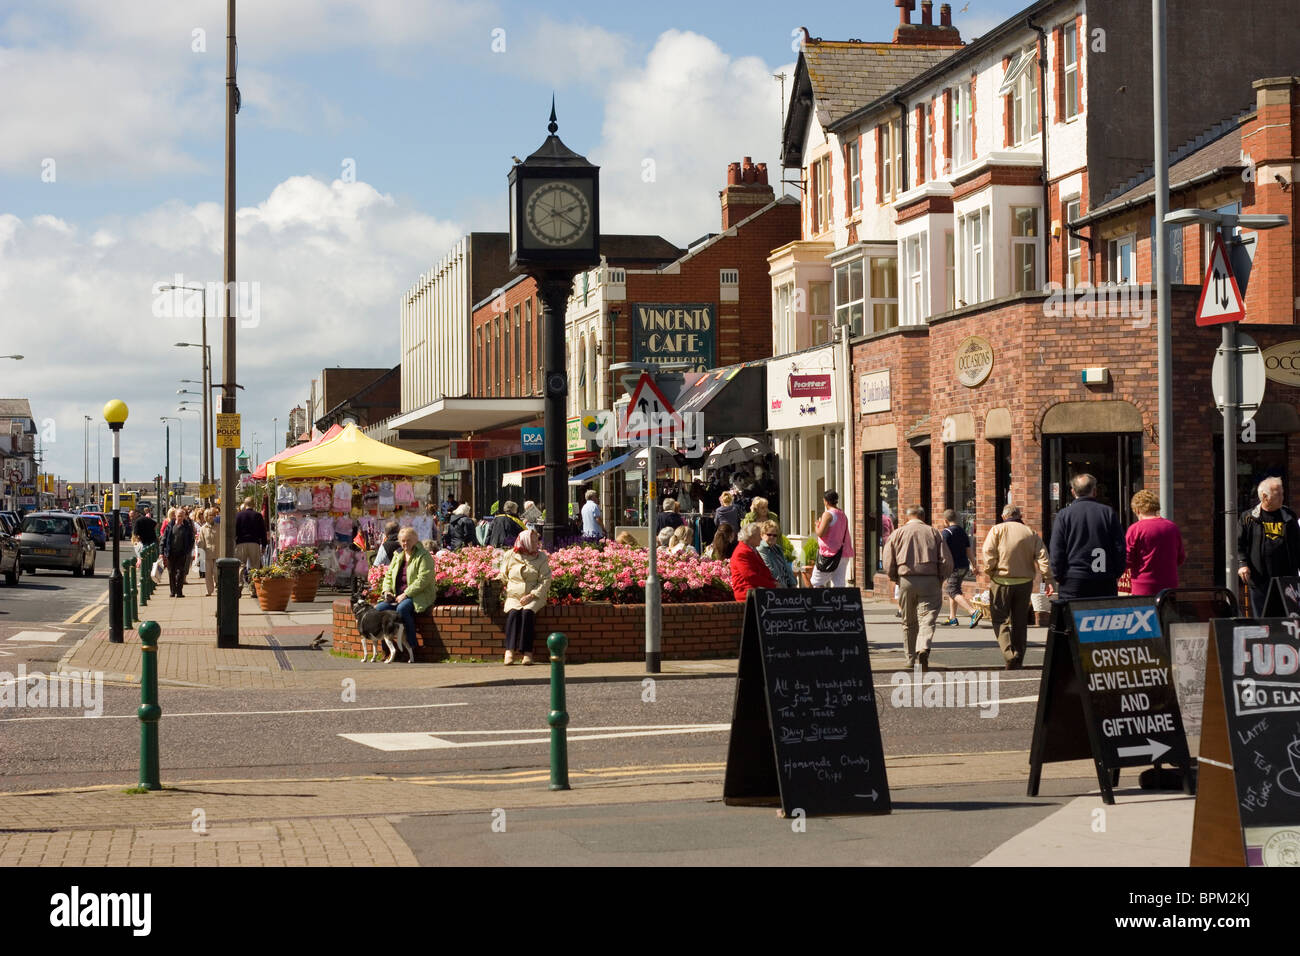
[(1221, 300)]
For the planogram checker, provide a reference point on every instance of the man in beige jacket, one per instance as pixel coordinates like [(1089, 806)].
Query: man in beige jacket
[(1013, 554), (918, 561)]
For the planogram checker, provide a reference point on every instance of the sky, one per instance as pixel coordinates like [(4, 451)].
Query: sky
[(372, 134)]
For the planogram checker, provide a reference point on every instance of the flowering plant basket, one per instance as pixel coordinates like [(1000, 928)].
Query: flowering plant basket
[(300, 560)]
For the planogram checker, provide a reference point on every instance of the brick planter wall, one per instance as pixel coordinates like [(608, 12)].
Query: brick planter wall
[(596, 632)]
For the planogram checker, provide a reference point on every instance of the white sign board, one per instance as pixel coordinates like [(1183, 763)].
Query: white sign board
[(873, 392), (801, 390)]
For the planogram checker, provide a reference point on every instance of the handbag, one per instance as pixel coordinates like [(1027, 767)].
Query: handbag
[(827, 563)]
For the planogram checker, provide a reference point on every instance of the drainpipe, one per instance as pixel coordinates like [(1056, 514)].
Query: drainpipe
[(1042, 129), (903, 179)]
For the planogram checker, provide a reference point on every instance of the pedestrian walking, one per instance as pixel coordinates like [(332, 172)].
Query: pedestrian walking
[(460, 528), (250, 538), (728, 511), (962, 550), (526, 573), (834, 544), (668, 517), (748, 570), (178, 549), (593, 524), (147, 529), (1154, 547), (506, 526), (1013, 555), (918, 561), (209, 544), (1268, 543), (1087, 547)]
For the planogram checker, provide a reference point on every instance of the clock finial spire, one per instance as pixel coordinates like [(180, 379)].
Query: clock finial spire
[(552, 126)]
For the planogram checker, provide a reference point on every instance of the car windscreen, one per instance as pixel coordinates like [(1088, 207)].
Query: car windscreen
[(47, 525)]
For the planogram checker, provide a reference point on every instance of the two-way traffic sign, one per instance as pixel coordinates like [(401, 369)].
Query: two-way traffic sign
[(649, 412), (1221, 300)]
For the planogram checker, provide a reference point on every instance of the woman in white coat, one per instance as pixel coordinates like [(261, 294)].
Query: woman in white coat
[(526, 575)]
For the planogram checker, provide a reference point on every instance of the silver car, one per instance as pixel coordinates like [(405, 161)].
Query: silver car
[(56, 539)]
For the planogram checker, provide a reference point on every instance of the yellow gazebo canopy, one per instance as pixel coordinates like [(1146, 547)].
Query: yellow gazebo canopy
[(351, 454)]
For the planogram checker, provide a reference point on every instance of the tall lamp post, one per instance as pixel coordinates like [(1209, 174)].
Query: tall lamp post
[(85, 487), (205, 437), (115, 413), (181, 426), (554, 235)]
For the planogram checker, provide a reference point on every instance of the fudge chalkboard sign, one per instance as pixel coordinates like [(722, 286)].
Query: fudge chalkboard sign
[(1248, 807), (804, 730)]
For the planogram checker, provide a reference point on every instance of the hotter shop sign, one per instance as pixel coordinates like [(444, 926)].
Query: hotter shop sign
[(801, 390)]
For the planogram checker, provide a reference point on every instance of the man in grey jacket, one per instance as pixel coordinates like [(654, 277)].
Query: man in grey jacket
[(918, 561)]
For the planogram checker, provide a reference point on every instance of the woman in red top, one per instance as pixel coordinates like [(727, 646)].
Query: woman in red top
[(748, 569), (1155, 547)]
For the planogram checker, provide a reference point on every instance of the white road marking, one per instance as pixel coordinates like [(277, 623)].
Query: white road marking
[(45, 637), (247, 713), (436, 740)]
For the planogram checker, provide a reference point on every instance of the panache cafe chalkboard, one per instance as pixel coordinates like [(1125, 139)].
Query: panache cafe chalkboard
[(1248, 801), (804, 729), (1107, 692)]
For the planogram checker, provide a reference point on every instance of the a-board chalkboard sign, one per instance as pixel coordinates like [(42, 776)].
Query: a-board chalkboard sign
[(1283, 599), (1248, 806), (804, 730), (1107, 692)]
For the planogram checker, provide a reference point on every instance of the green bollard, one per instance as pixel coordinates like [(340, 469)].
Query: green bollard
[(142, 586), (131, 591), (127, 619), (559, 716), (149, 712)]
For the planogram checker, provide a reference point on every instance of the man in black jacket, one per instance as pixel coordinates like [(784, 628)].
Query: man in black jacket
[(177, 550), (505, 526), (1087, 548), (1268, 543)]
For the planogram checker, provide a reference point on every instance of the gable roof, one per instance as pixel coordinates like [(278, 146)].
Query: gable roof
[(836, 77), (15, 408)]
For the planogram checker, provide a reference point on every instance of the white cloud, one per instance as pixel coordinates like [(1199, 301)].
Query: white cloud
[(690, 111), (557, 54), (330, 259)]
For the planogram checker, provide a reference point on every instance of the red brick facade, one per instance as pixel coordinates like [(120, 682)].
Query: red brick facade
[(596, 632)]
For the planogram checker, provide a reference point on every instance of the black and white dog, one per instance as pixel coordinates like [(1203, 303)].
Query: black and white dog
[(375, 626)]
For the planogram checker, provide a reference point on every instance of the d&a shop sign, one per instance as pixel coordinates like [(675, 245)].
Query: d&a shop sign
[(801, 390)]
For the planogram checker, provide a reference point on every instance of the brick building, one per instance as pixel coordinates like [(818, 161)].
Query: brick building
[(1004, 169)]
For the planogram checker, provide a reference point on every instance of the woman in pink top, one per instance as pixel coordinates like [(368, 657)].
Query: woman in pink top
[(1155, 547), (834, 545)]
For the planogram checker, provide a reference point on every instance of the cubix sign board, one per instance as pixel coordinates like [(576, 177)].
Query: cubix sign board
[(1107, 692)]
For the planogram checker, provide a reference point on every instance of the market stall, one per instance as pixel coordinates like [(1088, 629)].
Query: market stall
[(337, 495)]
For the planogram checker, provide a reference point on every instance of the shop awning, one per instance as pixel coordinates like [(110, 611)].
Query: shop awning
[(591, 473), (260, 473), (457, 417), (516, 478), (732, 400), (351, 454)]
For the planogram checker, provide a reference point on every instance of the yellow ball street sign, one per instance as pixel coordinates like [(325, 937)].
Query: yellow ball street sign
[(228, 430)]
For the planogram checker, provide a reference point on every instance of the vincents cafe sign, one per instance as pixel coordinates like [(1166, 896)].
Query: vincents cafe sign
[(676, 333)]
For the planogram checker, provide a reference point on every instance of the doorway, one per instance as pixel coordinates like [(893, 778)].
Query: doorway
[(1257, 460), (1114, 459), (880, 507)]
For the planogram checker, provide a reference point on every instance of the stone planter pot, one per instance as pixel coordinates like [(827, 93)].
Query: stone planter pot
[(305, 587), (273, 593)]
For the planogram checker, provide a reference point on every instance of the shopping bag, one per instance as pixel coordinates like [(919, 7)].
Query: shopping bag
[(159, 573)]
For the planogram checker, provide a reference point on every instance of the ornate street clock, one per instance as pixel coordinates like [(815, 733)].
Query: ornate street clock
[(554, 209)]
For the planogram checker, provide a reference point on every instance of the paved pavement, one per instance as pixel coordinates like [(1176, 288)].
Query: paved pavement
[(441, 818)]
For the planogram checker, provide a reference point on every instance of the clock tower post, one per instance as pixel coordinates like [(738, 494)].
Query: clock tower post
[(554, 235)]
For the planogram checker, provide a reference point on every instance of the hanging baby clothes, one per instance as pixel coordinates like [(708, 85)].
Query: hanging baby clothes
[(286, 531), (320, 498), (370, 497), (423, 525), (304, 498), (307, 533), (421, 491), (324, 529), (342, 497), (405, 520), (345, 561), (386, 502), (402, 495), (284, 499), (360, 565)]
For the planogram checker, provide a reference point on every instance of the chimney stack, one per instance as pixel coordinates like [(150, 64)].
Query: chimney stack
[(925, 32), (746, 192), (927, 13), (945, 15)]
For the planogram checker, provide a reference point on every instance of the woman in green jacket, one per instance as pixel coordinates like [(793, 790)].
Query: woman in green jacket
[(409, 586)]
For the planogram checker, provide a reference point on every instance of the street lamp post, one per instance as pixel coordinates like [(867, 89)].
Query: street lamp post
[(85, 487), (115, 413), (205, 437), (180, 424)]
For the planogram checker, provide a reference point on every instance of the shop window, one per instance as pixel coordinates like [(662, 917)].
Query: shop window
[(819, 311), (881, 505), (1070, 72), (1121, 259), (959, 482), (1073, 246), (852, 161), (1003, 494), (1024, 249), (1113, 458)]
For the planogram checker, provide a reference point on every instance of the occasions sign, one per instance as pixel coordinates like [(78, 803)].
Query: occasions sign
[(974, 361), (1282, 363)]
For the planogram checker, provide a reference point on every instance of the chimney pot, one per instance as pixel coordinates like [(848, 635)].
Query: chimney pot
[(762, 173), (905, 8), (945, 15), (927, 13), (733, 174), (747, 173)]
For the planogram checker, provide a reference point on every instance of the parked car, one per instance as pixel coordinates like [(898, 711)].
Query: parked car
[(95, 525), (9, 522), (58, 540), (10, 563)]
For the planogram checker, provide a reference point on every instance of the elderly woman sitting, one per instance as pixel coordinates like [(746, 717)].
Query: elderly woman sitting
[(409, 586), (747, 568), (526, 572), (774, 557)]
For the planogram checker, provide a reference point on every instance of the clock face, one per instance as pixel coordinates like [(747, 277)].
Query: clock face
[(557, 214)]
